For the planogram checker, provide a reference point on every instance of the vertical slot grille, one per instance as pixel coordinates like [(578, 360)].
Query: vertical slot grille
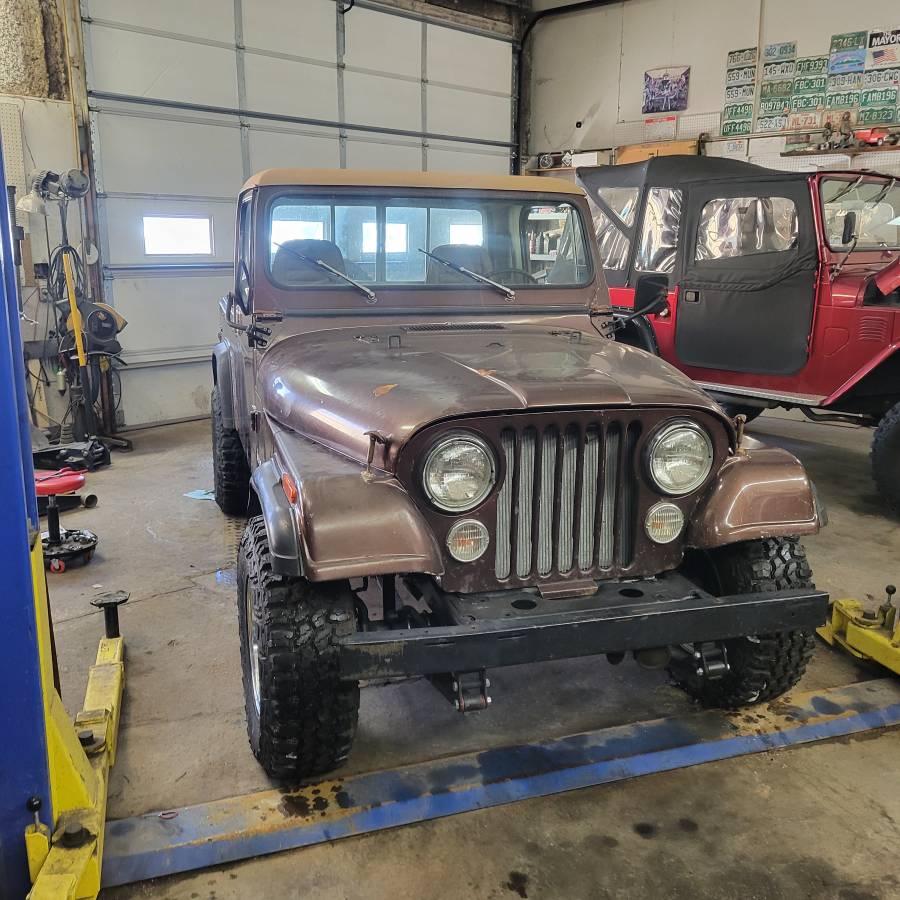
[(590, 479), (525, 506), (549, 442), (568, 501), (504, 506), (626, 517), (608, 503)]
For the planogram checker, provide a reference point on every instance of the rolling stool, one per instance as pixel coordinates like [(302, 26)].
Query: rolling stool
[(63, 546)]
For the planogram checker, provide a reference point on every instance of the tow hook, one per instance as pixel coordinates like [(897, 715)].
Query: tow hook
[(467, 691), (707, 660)]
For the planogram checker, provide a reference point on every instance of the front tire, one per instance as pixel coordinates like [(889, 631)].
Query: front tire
[(763, 666), (231, 473), (886, 458), (301, 717)]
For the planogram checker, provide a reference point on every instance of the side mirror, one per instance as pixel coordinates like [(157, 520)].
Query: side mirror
[(651, 294), (848, 233)]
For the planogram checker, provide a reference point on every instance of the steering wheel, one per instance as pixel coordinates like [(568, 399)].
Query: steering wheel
[(502, 274)]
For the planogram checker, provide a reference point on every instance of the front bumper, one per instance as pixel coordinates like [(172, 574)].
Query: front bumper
[(506, 628)]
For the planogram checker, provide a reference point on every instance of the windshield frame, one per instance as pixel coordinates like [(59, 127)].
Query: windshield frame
[(383, 199), (847, 179)]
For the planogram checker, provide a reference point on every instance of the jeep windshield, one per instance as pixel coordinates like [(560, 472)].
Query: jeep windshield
[(523, 243), (876, 203)]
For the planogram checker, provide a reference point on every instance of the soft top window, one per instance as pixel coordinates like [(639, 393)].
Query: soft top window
[(526, 242), (658, 241), (745, 226)]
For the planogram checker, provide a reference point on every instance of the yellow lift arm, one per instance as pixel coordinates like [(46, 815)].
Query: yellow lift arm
[(65, 864), (874, 636)]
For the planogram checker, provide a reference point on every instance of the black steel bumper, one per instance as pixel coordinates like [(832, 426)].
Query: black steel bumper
[(495, 630)]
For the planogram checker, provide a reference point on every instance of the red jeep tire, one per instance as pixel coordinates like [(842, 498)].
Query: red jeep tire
[(886, 457)]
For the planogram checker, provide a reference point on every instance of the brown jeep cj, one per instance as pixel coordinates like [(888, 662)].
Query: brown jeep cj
[(451, 465)]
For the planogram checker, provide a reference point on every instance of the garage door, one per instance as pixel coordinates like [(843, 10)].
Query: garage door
[(179, 120)]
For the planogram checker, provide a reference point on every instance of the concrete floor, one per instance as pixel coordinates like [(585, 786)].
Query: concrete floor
[(819, 821)]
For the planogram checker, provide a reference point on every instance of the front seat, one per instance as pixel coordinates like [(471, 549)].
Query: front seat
[(470, 256), (289, 268)]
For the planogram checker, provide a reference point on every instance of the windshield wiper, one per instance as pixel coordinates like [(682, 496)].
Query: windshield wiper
[(370, 295), (846, 190), (509, 293), (882, 194)]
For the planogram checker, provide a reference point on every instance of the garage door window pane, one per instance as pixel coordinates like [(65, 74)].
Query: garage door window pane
[(351, 237), (394, 238), (299, 222), (407, 265), (177, 235), (745, 226)]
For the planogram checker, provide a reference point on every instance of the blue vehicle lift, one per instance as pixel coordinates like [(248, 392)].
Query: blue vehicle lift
[(53, 774), (54, 840)]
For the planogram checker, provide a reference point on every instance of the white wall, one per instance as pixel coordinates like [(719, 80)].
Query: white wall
[(39, 135), (590, 66)]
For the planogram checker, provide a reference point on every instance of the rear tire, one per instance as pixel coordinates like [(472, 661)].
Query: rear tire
[(886, 458), (763, 666), (231, 473), (301, 717)]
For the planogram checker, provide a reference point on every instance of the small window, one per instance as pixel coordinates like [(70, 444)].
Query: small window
[(467, 233), (745, 226), (177, 235), (394, 237), (659, 235), (297, 230)]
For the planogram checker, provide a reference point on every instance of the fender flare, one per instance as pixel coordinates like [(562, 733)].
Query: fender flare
[(346, 522), (284, 545), (760, 492), (222, 378)]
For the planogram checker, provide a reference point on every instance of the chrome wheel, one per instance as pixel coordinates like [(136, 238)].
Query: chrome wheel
[(252, 643)]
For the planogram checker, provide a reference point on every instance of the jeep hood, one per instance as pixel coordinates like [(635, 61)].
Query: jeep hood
[(335, 385)]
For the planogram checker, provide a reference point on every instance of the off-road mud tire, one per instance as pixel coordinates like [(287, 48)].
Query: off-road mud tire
[(307, 716), (231, 473), (886, 458), (762, 666)]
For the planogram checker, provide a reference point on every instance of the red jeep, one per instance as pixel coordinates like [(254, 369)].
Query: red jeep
[(781, 288)]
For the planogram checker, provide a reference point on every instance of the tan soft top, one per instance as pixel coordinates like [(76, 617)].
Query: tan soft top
[(376, 178)]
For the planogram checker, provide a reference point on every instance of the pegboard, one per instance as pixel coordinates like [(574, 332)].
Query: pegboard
[(811, 162), (629, 133), (14, 152), (887, 161), (693, 126)]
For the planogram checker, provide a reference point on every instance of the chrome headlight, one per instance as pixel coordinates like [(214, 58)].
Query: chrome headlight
[(680, 457), (458, 473)]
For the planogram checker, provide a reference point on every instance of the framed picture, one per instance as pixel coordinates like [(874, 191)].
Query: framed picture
[(666, 90)]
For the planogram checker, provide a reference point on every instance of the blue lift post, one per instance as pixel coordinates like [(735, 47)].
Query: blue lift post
[(24, 765), (53, 781)]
